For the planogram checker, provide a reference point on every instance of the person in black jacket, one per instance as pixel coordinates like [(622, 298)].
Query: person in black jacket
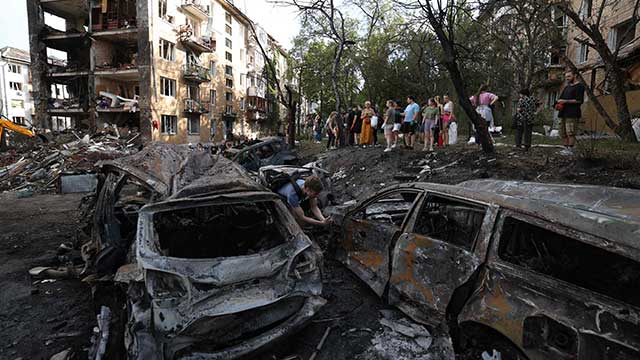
[(568, 106)]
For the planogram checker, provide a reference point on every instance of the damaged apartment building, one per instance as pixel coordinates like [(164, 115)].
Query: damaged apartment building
[(620, 31), (177, 71)]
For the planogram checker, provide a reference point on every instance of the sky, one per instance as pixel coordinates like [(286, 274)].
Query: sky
[(280, 22)]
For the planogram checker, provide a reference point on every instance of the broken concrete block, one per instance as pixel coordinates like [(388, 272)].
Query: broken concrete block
[(78, 183)]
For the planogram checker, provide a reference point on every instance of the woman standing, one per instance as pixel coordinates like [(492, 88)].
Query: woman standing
[(389, 121), (523, 121), (447, 117), (332, 130), (367, 131), (430, 117), (483, 102)]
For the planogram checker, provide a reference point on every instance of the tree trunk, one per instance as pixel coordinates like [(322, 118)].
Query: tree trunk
[(450, 62), (618, 91), (334, 75)]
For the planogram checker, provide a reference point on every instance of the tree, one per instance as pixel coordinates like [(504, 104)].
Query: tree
[(442, 19), (591, 26), (329, 23), (288, 100)]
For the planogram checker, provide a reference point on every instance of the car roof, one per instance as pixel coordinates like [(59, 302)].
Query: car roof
[(178, 171), (606, 212)]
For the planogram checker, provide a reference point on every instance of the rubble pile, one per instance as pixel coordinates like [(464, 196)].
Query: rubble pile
[(42, 168)]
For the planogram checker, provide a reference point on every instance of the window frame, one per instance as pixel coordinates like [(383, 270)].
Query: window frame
[(406, 222), (228, 83), (212, 97), (172, 130), (189, 128), (583, 53), (228, 43), (15, 85), (172, 48), (228, 70), (15, 69), (162, 8), (430, 194), (163, 86), (532, 276), (228, 29), (228, 56)]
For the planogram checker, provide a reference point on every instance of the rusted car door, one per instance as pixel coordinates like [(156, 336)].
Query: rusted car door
[(370, 232), (443, 246)]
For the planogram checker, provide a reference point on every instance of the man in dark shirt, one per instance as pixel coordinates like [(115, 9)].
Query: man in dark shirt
[(569, 113)]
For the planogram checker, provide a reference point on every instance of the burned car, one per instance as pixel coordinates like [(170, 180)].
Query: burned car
[(268, 151), (532, 271), (273, 176), (215, 264)]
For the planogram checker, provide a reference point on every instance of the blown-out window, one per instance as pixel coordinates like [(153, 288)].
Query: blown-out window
[(556, 255), (452, 221)]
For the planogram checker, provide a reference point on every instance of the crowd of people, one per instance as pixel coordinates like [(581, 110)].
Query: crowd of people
[(403, 127), (434, 123)]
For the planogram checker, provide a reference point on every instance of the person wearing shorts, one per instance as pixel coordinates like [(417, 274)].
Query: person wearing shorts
[(430, 116), (409, 124), (397, 123), (570, 113), (388, 125)]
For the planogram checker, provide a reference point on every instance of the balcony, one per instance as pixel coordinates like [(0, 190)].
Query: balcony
[(192, 106), (197, 44), (196, 73), (195, 8)]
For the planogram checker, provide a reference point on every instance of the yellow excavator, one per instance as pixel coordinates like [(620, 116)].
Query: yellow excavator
[(6, 124)]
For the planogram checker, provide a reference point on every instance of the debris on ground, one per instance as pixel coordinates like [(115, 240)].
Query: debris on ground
[(61, 166)]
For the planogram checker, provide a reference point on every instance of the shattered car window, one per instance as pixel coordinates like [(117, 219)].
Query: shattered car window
[(452, 221), (570, 260), (219, 230), (391, 209)]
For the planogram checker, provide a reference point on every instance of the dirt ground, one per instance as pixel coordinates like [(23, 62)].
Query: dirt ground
[(39, 319)]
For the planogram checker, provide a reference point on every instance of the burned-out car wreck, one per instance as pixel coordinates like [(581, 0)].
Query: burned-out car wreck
[(214, 264), (532, 271), (264, 152)]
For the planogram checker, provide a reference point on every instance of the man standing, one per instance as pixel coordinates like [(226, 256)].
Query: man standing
[(568, 107), (301, 193), (410, 120)]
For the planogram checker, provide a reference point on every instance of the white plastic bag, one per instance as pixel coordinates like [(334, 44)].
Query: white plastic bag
[(635, 123), (453, 133), (374, 122)]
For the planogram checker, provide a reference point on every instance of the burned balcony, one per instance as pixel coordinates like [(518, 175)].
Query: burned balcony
[(192, 106), (114, 15), (194, 42), (195, 8), (197, 73), (63, 68)]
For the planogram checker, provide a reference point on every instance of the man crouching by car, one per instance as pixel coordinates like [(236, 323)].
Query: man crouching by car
[(302, 195)]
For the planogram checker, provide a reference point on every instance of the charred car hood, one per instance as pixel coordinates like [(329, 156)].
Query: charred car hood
[(218, 271)]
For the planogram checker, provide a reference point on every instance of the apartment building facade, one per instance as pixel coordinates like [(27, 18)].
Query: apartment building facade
[(174, 69), (15, 85), (620, 32)]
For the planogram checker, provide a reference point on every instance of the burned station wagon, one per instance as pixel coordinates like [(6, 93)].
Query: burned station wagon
[(533, 271), (215, 264)]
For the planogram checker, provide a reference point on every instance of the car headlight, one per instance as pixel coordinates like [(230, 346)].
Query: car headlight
[(304, 263), (162, 285)]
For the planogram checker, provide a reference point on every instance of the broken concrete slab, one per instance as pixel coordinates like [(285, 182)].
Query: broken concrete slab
[(78, 183)]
